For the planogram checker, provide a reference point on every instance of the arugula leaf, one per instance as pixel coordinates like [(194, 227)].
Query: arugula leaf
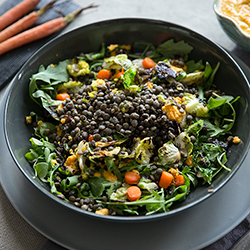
[(170, 49), (131, 211), (110, 163), (142, 49), (158, 204), (207, 72), (222, 159), (179, 193), (131, 165), (201, 94), (209, 75), (212, 130), (31, 155), (193, 66), (36, 143), (41, 155), (47, 79), (214, 103), (114, 186), (41, 170), (69, 182), (206, 173), (56, 73), (47, 102), (96, 185), (84, 187), (44, 126), (146, 170), (53, 188), (212, 151), (39, 145), (195, 128), (94, 55), (72, 180), (46, 98), (190, 175), (46, 154), (49, 145), (222, 105)]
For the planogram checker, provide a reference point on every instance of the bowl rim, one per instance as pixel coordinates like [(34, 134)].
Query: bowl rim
[(125, 219), (216, 7)]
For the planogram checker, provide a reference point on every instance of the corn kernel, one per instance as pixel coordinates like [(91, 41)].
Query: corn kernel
[(236, 140), (103, 211), (28, 119), (189, 160), (63, 120)]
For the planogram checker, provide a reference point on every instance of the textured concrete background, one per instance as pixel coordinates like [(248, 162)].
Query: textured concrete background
[(196, 15)]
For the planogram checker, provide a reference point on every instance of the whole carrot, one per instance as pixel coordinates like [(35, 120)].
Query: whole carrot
[(39, 31), (16, 12), (23, 23)]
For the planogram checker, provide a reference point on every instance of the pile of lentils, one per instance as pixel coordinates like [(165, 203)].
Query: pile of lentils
[(110, 112)]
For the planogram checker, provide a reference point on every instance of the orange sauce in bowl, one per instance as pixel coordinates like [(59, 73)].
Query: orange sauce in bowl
[(239, 11)]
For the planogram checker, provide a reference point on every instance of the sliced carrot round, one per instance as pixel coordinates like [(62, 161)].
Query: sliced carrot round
[(132, 177), (148, 63), (104, 74), (91, 138), (119, 74), (62, 96), (133, 193)]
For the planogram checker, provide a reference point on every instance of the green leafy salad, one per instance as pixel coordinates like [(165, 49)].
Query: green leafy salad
[(131, 129)]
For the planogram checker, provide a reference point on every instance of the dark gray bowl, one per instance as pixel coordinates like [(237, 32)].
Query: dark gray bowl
[(230, 78)]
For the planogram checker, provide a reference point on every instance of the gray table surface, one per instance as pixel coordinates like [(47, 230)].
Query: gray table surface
[(198, 15)]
